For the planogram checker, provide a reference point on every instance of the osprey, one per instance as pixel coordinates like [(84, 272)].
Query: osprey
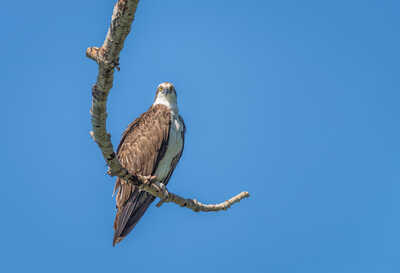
[(151, 145)]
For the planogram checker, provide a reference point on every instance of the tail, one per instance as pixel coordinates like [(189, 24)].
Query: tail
[(130, 213)]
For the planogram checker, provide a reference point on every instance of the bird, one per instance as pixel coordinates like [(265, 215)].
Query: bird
[(151, 145)]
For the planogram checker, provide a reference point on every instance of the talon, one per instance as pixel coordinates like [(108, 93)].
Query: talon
[(157, 186), (145, 179), (153, 178), (163, 189)]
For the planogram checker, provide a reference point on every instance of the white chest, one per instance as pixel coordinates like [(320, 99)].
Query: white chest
[(175, 145)]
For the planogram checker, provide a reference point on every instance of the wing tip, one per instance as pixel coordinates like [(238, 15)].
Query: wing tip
[(116, 240)]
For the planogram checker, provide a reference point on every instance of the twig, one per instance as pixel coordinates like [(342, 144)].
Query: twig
[(107, 57), (195, 205)]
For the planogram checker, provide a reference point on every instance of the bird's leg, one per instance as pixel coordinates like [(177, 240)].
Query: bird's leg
[(162, 188), (152, 180), (165, 194), (147, 179)]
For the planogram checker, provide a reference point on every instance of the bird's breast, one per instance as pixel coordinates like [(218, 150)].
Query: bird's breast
[(174, 147)]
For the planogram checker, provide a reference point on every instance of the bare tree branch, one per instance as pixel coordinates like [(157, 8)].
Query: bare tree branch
[(107, 57)]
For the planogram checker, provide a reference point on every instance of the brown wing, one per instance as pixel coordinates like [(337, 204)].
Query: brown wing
[(142, 146)]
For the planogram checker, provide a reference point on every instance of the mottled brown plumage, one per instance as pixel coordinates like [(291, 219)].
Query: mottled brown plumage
[(142, 147)]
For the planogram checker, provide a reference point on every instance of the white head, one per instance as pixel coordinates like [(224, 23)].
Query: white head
[(166, 95)]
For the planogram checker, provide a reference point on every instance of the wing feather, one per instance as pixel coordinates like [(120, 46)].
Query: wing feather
[(142, 146)]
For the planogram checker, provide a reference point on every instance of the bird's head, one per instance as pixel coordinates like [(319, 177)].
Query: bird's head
[(166, 95)]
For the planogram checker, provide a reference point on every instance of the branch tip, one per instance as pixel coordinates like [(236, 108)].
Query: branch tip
[(92, 53)]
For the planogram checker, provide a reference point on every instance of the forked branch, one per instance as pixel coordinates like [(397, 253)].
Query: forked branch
[(107, 58)]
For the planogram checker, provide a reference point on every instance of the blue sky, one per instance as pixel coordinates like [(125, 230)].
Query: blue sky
[(293, 101)]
